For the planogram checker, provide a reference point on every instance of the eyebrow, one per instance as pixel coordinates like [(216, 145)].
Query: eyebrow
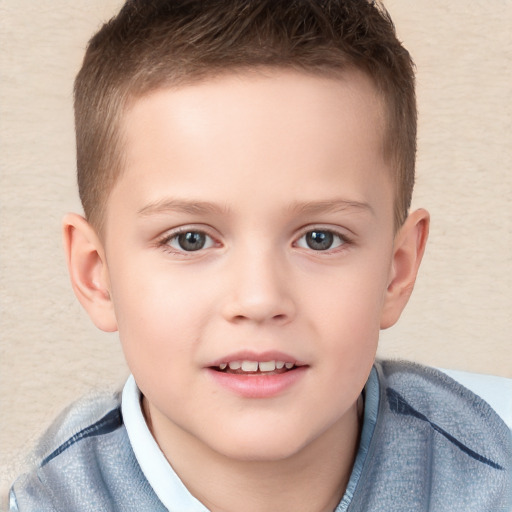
[(331, 206), (192, 207), (181, 206)]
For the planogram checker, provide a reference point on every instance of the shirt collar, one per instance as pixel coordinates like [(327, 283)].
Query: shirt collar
[(159, 473), (170, 489)]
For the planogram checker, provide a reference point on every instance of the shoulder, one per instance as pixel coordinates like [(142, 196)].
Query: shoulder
[(455, 399), (447, 407), (437, 442), (82, 462), (93, 416), (496, 391)]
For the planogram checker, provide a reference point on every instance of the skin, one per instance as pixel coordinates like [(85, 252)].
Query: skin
[(269, 157)]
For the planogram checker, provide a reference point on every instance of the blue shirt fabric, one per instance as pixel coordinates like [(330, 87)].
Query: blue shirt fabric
[(436, 446), (427, 444)]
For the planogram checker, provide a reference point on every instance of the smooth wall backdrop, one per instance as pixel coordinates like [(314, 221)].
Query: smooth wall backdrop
[(460, 315)]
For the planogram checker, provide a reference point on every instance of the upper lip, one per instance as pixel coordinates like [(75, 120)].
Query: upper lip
[(247, 355)]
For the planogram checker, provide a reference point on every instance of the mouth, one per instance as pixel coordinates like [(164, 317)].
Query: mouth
[(247, 367), (257, 375)]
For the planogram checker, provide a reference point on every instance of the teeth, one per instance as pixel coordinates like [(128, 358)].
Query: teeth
[(249, 366), (267, 366), (254, 366)]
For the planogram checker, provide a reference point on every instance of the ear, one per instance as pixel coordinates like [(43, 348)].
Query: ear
[(88, 271), (408, 249)]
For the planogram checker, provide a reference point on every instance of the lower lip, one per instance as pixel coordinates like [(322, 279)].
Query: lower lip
[(258, 385)]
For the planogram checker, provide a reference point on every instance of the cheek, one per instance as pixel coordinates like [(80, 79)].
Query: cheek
[(158, 318), (351, 297), (348, 315)]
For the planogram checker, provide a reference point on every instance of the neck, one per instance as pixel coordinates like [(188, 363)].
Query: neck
[(313, 479)]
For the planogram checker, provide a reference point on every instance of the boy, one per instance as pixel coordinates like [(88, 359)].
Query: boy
[(246, 170)]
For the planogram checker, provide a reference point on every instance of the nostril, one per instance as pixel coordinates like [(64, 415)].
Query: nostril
[(258, 308), (273, 318)]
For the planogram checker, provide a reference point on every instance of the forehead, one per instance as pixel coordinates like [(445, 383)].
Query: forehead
[(285, 94), (268, 128)]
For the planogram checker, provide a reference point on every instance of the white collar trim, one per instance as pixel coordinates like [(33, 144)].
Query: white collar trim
[(165, 482)]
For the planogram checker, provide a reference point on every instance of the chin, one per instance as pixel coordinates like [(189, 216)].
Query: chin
[(263, 446)]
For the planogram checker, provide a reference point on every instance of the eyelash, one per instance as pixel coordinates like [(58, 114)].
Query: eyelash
[(165, 241), (344, 240)]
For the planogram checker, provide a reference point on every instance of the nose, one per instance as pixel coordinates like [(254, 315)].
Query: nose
[(260, 289)]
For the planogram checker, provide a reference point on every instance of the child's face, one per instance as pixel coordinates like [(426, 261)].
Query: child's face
[(253, 222)]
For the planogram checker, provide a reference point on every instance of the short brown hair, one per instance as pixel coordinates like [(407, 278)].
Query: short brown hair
[(158, 43)]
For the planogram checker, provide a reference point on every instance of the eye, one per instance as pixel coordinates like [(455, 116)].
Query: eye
[(189, 241), (321, 240)]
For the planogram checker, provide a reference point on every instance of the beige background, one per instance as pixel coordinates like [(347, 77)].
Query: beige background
[(461, 313)]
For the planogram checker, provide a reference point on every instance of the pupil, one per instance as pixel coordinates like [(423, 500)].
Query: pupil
[(191, 241), (319, 240)]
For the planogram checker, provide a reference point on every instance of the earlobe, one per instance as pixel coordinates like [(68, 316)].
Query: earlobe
[(408, 249), (88, 270)]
